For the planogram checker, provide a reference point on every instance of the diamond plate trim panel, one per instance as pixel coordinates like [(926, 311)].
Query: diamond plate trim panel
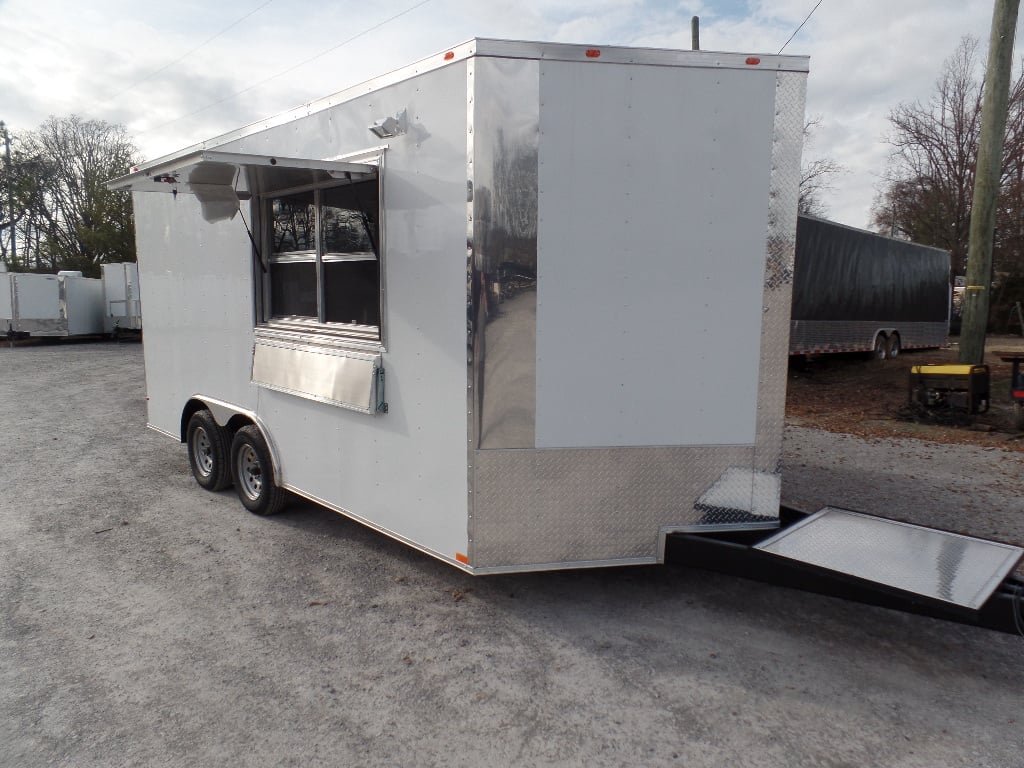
[(575, 505), (740, 495), (784, 192), (936, 564)]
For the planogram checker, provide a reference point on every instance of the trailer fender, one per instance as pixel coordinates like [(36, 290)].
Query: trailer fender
[(233, 418)]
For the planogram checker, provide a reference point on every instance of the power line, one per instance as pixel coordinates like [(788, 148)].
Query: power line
[(235, 95), (801, 26), (188, 53)]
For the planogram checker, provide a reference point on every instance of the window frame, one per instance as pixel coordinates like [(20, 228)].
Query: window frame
[(317, 330)]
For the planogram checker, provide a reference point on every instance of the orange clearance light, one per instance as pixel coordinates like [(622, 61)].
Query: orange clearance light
[(462, 558), (753, 60), (593, 53), (449, 56)]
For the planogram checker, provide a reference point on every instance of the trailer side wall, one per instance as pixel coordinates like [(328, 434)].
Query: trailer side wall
[(404, 472), (6, 300)]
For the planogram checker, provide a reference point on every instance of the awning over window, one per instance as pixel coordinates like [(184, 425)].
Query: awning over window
[(220, 179)]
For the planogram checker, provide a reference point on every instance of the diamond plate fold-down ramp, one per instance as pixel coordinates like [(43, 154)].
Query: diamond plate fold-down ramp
[(947, 567)]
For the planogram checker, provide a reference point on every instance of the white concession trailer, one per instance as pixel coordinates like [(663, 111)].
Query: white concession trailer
[(520, 305)]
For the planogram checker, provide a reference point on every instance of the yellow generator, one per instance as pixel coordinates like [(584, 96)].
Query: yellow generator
[(949, 391)]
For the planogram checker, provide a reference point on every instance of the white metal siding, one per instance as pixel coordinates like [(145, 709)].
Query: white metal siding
[(404, 471), (6, 300), (652, 227), (38, 297)]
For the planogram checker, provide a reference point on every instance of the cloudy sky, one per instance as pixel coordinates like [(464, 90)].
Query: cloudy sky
[(176, 73)]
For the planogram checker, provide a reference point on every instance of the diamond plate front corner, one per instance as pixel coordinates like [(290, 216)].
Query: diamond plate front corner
[(574, 505), (784, 193)]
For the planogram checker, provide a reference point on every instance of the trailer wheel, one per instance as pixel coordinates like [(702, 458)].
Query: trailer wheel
[(253, 473), (895, 346), (881, 347), (208, 449), (1019, 414)]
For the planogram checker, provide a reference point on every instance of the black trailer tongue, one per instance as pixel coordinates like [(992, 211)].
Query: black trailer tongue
[(873, 560)]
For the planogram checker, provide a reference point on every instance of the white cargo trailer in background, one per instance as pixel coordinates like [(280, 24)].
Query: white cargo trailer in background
[(61, 305), (122, 308), (520, 305), (29, 303)]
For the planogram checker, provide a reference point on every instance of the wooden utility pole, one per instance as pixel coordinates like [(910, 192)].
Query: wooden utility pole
[(986, 182), (10, 193)]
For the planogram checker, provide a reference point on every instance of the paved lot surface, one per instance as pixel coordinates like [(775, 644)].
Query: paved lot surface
[(144, 622)]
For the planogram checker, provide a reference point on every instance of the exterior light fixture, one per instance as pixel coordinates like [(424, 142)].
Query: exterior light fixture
[(389, 127)]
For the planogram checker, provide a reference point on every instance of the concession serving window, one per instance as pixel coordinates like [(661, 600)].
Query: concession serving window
[(323, 257), (315, 228)]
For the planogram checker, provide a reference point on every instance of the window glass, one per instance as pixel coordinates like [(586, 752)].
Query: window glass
[(293, 289), (323, 257), (349, 218), (294, 222), (351, 292)]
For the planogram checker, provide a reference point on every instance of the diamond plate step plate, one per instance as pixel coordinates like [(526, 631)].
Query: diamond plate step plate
[(947, 567)]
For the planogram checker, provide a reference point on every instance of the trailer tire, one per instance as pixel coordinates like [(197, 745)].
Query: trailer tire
[(253, 472), (881, 347), (1018, 412), (208, 451), (895, 347)]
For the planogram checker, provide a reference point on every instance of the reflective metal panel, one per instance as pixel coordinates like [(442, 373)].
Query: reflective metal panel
[(562, 506), (740, 496), (502, 284), (943, 566), (783, 194), (327, 375)]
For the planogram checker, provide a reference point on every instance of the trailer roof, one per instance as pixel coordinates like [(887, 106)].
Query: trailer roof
[(493, 48), (868, 232)]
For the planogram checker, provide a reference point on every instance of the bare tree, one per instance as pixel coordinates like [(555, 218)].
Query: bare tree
[(927, 195), (816, 175), (65, 217), (928, 190)]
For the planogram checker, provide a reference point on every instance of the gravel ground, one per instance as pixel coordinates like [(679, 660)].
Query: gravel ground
[(145, 622)]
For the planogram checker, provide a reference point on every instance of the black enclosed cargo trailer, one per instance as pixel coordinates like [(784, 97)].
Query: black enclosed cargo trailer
[(857, 291)]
